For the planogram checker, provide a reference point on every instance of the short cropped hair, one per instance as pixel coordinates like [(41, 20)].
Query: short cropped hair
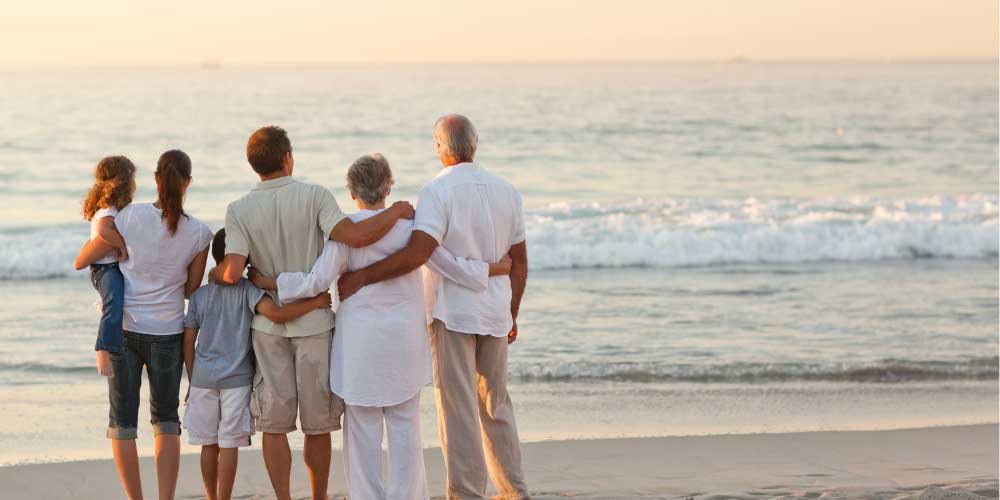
[(369, 178), (457, 136), (267, 148), (219, 246)]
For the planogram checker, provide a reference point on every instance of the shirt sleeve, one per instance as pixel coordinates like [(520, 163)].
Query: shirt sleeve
[(237, 241), (431, 216), (106, 212), (473, 274), (191, 319), (205, 237), (329, 211), (253, 295), (328, 267), (519, 233)]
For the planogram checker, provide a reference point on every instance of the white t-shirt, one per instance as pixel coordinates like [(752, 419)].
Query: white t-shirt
[(475, 215), (156, 270), (112, 256)]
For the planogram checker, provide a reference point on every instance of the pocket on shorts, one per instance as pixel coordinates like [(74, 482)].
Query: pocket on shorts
[(248, 419), (256, 406)]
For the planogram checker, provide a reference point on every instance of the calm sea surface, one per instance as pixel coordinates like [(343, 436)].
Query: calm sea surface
[(714, 247)]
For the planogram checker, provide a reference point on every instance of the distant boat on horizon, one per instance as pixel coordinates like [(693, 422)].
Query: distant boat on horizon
[(211, 65)]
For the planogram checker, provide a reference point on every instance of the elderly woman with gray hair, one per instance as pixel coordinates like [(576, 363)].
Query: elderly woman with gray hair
[(380, 357)]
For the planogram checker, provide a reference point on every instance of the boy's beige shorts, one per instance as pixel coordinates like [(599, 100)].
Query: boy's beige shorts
[(293, 377)]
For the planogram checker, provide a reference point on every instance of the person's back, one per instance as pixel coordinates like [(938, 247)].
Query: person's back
[(157, 268), (281, 226), (471, 214), (482, 219), (223, 314)]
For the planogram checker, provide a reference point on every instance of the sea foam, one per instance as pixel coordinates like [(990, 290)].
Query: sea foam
[(674, 233)]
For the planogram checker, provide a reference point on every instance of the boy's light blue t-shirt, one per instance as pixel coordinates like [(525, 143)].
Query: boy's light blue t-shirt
[(223, 352)]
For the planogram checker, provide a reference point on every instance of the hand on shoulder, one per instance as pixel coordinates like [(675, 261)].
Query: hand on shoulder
[(403, 209)]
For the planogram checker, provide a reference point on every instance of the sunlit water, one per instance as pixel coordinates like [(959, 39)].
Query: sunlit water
[(714, 248)]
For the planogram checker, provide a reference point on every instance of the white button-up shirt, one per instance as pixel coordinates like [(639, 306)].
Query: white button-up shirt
[(381, 350), (474, 215)]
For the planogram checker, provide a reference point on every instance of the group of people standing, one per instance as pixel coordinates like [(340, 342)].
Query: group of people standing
[(422, 294)]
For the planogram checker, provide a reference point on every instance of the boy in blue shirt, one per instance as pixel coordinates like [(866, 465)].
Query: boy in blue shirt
[(220, 369)]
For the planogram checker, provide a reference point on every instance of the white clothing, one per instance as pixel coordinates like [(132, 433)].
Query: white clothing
[(111, 256), (381, 351), (476, 215), (156, 270), (363, 452), (219, 416)]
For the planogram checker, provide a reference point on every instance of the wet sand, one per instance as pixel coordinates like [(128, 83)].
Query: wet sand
[(930, 463)]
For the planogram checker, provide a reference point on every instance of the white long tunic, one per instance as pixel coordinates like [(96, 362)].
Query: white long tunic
[(381, 350)]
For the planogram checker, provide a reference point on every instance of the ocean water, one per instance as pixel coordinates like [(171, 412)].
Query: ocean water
[(714, 248)]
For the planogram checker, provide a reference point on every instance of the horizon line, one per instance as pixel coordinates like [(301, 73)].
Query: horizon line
[(210, 64)]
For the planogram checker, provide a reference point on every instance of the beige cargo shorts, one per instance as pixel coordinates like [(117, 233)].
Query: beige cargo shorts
[(293, 377)]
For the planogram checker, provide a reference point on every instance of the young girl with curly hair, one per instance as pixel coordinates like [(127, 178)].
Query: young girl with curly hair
[(114, 184)]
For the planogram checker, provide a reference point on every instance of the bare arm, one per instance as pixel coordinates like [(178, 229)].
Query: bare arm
[(196, 271), (107, 231), (414, 255), (229, 271), (518, 275), (364, 233), (518, 280), (261, 281), (501, 268), (190, 334), (92, 251), (288, 312)]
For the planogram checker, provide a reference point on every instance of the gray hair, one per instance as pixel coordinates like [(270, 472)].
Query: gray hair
[(369, 178), (457, 136)]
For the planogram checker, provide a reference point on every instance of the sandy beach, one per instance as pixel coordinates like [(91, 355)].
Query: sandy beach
[(931, 463)]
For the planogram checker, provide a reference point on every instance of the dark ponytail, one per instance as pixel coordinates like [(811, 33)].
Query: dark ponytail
[(172, 170)]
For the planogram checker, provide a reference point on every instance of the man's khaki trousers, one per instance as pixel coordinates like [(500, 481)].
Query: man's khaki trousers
[(470, 380)]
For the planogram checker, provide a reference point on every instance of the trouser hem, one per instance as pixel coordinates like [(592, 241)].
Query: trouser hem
[(167, 428), (122, 433)]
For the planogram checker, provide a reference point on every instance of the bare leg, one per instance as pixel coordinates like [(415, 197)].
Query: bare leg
[(168, 464), (210, 470), (228, 458), (316, 451), (104, 367), (278, 461), (127, 462)]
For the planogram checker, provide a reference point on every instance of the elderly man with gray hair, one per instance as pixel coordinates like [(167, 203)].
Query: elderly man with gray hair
[(380, 356), (476, 215)]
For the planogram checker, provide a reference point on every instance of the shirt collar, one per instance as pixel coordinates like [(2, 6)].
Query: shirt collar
[(275, 183), (470, 166)]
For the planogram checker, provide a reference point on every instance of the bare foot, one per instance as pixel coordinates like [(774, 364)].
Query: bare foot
[(104, 364)]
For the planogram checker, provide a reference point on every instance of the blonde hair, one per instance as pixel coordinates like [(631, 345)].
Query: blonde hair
[(114, 183)]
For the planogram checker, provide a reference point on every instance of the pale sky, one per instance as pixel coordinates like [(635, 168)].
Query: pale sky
[(140, 33)]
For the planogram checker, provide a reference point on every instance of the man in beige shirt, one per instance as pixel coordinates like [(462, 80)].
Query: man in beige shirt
[(281, 226)]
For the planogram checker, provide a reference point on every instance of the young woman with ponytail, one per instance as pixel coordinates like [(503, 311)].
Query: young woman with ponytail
[(167, 252)]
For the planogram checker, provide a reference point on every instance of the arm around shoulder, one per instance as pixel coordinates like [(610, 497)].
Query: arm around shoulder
[(364, 233), (289, 312)]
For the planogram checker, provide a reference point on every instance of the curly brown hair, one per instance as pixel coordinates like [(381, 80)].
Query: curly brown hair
[(114, 183)]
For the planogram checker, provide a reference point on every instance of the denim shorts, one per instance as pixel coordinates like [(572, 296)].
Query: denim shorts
[(162, 355), (110, 284)]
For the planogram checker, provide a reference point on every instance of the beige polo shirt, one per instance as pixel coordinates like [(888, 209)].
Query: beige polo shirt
[(281, 226)]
